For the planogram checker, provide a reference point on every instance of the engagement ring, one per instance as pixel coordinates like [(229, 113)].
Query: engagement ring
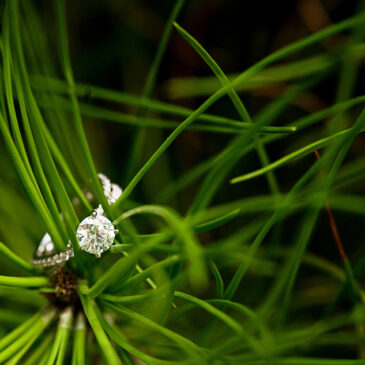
[(95, 233)]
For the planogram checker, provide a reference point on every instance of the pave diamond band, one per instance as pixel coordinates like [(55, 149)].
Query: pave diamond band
[(111, 191), (57, 259), (95, 233)]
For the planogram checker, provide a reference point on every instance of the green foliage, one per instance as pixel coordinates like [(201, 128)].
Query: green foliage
[(224, 278)]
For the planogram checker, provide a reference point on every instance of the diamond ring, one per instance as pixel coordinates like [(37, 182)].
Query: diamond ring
[(95, 233)]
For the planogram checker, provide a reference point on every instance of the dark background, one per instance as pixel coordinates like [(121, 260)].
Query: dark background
[(112, 44)]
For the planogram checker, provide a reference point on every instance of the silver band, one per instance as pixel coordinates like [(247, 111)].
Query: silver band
[(58, 259)]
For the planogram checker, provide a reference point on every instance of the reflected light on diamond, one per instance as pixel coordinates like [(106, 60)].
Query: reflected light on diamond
[(95, 234)]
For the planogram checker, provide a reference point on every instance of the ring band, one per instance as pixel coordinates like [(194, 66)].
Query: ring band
[(58, 259)]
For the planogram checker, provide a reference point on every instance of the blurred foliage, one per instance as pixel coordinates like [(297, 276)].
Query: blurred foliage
[(235, 131)]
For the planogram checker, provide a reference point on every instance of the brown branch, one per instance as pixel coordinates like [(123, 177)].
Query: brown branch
[(332, 223)]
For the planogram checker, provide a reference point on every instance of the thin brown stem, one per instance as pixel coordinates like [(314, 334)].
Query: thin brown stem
[(332, 223)]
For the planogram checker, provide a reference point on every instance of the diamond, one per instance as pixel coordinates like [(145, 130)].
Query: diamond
[(105, 182), (46, 247), (95, 234), (115, 193)]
